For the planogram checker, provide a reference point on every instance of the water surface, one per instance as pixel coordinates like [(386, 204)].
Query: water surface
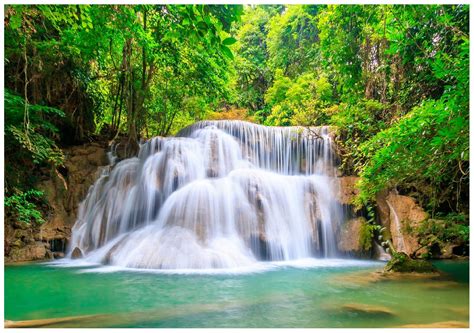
[(305, 294)]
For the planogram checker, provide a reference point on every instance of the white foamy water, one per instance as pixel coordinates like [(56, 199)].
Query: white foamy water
[(85, 266), (222, 195)]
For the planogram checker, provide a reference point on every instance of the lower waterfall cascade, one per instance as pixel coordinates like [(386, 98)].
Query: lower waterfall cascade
[(220, 194)]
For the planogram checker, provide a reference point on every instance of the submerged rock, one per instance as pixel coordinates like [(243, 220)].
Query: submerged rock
[(365, 278), (35, 323), (368, 309), (439, 324)]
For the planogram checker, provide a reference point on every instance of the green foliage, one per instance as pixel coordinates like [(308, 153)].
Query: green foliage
[(355, 123), (133, 65), (426, 143), (392, 79), (367, 231), (38, 135), (23, 205), (402, 263), (291, 40), (252, 76), (303, 101), (450, 229)]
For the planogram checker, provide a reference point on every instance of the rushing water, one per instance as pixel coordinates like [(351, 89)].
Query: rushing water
[(223, 194), (318, 293)]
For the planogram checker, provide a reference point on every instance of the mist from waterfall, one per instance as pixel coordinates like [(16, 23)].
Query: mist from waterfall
[(221, 194)]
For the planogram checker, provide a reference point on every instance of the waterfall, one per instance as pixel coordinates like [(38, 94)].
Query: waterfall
[(397, 236), (221, 194)]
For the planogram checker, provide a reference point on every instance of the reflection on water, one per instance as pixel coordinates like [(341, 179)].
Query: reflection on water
[(332, 296)]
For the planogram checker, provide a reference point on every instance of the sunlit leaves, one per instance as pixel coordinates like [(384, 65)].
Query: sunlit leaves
[(229, 41)]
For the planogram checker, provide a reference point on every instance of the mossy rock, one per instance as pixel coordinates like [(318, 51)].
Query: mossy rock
[(402, 263)]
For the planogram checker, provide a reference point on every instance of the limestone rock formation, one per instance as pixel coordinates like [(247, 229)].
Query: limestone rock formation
[(63, 190), (345, 189), (35, 251), (349, 234), (405, 215)]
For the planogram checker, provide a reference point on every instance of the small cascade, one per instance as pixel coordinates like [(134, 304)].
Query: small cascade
[(380, 253), (221, 194), (397, 237)]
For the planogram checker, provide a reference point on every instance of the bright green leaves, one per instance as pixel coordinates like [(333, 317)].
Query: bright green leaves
[(291, 40), (24, 206), (366, 235), (252, 75), (86, 20), (227, 52), (203, 25), (225, 49), (38, 140), (229, 41), (427, 143), (306, 100), (14, 16)]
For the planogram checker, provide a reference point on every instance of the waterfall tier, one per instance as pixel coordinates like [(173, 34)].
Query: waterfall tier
[(221, 194)]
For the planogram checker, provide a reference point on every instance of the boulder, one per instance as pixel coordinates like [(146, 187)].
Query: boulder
[(17, 243), (402, 263), (97, 157), (76, 253), (29, 252), (401, 215), (345, 189), (58, 255), (365, 278), (349, 235)]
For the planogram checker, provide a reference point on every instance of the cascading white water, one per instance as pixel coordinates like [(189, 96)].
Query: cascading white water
[(221, 194)]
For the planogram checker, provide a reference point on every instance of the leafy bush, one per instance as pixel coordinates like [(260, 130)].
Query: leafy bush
[(29, 143), (366, 235), (428, 144), (23, 206), (450, 229), (38, 138), (355, 124), (402, 263), (304, 101)]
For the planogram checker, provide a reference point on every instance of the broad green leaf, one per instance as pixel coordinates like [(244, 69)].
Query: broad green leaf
[(229, 41)]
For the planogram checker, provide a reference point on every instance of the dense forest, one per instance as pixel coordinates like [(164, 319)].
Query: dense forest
[(392, 80)]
